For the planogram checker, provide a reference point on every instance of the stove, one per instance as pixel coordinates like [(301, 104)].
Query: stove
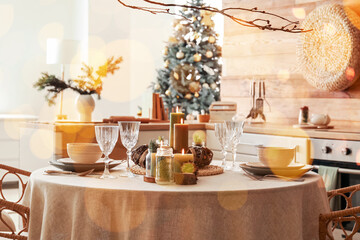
[(337, 153), (345, 155)]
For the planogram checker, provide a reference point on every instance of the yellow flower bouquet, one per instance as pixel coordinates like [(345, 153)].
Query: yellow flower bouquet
[(91, 82)]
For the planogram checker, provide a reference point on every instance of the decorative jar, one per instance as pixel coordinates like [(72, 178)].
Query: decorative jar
[(164, 165)]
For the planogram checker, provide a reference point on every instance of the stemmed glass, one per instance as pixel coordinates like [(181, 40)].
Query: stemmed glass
[(221, 135), (235, 130), (129, 132), (107, 136)]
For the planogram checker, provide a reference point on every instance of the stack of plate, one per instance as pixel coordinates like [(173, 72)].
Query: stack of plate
[(68, 164), (292, 170)]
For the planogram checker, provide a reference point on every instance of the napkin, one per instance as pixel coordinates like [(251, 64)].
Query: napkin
[(330, 177)]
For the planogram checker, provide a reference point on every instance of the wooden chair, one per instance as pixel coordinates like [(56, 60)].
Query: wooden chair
[(337, 218), (7, 226)]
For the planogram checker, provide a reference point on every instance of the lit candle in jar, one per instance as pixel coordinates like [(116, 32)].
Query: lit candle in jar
[(181, 138), (180, 159), (174, 119)]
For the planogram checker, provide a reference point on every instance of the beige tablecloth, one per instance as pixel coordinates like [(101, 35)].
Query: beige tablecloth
[(226, 206)]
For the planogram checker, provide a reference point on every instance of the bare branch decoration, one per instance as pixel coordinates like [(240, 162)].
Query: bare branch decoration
[(263, 24)]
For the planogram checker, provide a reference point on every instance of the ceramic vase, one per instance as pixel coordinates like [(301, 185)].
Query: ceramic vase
[(85, 105)]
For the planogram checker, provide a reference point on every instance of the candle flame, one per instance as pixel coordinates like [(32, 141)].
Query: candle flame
[(183, 151), (182, 121), (177, 109)]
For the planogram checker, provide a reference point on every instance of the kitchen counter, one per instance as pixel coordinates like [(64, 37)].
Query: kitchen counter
[(342, 130)]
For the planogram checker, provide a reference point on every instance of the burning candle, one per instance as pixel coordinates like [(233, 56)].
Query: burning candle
[(174, 118), (180, 159), (181, 137)]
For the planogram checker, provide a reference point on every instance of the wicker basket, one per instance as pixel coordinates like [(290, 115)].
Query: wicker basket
[(329, 55)]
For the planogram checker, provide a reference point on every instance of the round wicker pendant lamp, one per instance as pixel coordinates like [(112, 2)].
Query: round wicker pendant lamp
[(329, 55)]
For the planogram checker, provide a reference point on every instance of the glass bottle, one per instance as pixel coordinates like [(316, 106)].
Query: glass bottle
[(164, 165), (150, 161)]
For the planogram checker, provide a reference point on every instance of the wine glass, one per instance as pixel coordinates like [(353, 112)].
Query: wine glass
[(107, 136), (234, 130), (221, 135), (129, 132)]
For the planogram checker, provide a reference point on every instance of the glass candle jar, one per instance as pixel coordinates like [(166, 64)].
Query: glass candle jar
[(164, 165)]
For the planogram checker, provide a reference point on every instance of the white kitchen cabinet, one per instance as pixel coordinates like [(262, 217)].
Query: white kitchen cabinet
[(247, 151), (9, 139)]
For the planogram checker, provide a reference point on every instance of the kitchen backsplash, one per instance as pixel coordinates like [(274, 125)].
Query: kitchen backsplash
[(250, 52)]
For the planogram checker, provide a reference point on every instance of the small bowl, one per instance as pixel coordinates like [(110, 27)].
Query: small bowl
[(275, 157), (84, 152)]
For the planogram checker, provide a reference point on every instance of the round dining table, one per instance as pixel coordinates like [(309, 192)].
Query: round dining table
[(226, 206)]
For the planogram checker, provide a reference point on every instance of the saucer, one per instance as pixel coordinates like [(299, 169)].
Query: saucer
[(260, 165), (293, 173)]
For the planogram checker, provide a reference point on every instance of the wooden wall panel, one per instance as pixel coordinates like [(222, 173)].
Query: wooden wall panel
[(249, 53)]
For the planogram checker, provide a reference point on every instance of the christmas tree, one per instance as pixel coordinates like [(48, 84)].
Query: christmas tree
[(191, 75)]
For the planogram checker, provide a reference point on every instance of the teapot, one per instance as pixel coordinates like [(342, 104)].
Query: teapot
[(320, 119)]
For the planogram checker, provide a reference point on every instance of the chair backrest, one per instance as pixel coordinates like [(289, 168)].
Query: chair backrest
[(6, 205)]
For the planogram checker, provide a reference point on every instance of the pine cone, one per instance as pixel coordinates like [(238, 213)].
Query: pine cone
[(202, 156), (138, 155)]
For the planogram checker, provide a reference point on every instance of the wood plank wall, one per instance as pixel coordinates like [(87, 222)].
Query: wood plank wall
[(248, 52)]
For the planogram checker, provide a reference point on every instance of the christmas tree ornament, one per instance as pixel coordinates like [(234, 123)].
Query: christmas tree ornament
[(206, 18), (166, 63), (196, 35), (205, 85), (197, 57), (168, 92), (213, 85), (188, 96), (157, 86), (173, 40), (179, 27), (194, 87), (176, 76), (209, 54), (181, 78), (166, 51), (180, 55), (211, 39), (209, 70), (196, 95)]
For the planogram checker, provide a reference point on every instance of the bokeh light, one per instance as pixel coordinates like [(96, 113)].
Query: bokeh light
[(113, 202), (41, 144), (232, 200), (6, 18), (32, 69), (50, 30), (299, 13), (283, 75), (350, 73)]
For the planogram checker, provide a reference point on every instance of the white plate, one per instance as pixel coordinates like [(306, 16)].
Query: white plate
[(70, 161)]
